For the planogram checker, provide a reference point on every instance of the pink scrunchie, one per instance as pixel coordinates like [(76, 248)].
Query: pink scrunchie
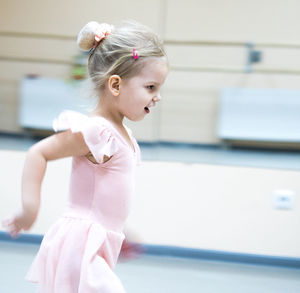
[(92, 33), (102, 31)]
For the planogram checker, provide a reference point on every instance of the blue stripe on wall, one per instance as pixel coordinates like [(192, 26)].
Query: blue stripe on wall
[(23, 238), (215, 255), (174, 251)]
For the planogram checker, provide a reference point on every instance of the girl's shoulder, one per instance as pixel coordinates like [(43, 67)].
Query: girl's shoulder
[(97, 132), (77, 122)]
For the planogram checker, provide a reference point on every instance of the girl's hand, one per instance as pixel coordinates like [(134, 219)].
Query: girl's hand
[(17, 223), (131, 250)]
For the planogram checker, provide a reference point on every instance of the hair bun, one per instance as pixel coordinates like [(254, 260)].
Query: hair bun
[(86, 37), (91, 34)]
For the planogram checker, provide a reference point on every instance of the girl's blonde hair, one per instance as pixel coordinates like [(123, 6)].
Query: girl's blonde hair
[(114, 54)]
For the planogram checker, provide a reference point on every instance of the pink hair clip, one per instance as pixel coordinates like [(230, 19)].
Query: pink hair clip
[(102, 31), (135, 55)]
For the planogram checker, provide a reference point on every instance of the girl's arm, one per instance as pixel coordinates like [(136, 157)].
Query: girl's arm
[(64, 144)]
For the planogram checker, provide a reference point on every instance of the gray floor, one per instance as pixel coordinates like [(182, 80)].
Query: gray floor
[(151, 274), (258, 158)]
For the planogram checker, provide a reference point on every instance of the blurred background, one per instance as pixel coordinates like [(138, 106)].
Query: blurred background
[(221, 150)]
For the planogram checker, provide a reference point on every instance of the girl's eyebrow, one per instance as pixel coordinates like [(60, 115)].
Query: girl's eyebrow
[(155, 82)]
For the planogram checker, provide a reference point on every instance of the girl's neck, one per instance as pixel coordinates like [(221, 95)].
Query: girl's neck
[(107, 110)]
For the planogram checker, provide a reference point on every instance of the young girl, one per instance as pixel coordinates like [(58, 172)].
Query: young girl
[(127, 66)]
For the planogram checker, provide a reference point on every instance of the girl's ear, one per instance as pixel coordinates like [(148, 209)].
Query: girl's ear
[(114, 82)]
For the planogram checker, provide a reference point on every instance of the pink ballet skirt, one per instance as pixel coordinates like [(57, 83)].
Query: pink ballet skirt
[(80, 250)]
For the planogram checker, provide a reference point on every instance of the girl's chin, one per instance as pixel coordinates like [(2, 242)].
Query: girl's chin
[(134, 119), (139, 117)]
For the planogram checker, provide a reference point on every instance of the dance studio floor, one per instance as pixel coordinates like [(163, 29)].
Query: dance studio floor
[(156, 274)]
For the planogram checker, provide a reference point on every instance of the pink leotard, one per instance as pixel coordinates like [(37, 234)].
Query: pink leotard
[(80, 250)]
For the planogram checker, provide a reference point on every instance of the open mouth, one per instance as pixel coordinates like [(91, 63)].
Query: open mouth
[(147, 110)]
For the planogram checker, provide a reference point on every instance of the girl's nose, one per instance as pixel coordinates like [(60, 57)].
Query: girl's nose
[(157, 98)]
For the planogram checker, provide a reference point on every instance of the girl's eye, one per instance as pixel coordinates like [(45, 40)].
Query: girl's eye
[(150, 87)]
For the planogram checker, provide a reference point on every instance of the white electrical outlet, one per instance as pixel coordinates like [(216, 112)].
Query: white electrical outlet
[(283, 199)]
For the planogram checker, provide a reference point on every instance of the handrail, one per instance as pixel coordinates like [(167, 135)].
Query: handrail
[(166, 41), (35, 35), (234, 70), (36, 60), (230, 44)]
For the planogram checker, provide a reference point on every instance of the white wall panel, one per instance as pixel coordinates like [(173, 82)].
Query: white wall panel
[(194, 57), (15, 70), (279, 58), (9, 106), (68, 16), (51, 50), (233, 20)]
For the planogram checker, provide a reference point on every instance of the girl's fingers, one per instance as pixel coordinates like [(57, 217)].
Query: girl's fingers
[(12, 227), (9, 222), (14, 234), (6, 222), (14, 231)]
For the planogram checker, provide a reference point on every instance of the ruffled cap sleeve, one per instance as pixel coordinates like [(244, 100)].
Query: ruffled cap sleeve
[(97, 135)]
